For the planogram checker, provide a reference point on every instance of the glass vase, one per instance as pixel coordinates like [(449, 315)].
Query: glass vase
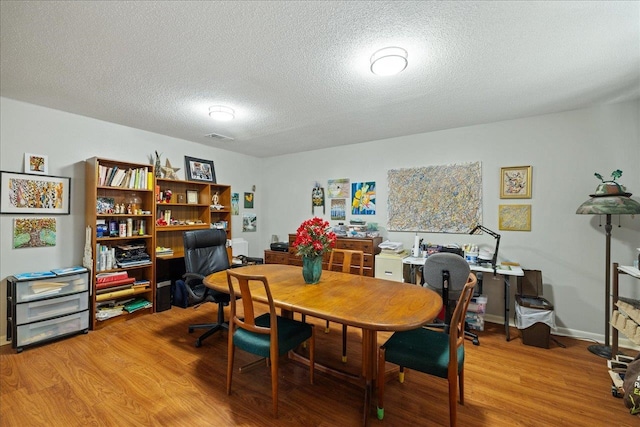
[(311, 269)]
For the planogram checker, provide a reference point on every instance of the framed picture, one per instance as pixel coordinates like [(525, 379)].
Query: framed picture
[(200, 170), (22, 193), (192, 197), (515, 182), (36, 163), (514, 217)]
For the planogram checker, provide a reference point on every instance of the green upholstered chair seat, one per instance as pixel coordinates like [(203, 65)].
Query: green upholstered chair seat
[(290, 334), (422, 350)]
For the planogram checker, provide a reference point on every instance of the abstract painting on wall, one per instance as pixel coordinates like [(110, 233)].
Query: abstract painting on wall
[(435, 199)]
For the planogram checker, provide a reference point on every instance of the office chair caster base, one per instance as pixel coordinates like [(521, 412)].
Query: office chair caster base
[(198, 343), (190, 330), (475, 341)]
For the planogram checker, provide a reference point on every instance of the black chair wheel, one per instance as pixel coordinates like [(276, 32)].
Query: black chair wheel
[(476, 341), (190, 330), (198, 343)]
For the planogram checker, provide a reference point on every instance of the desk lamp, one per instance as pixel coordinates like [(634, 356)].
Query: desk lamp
[(609, 199), (497, 237)]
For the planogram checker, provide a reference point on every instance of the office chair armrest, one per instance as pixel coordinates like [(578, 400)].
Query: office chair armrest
[(191, 280), (192, 277)]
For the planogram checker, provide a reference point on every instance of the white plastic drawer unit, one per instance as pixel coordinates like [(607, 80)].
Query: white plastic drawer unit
[(48, 329), (48, 308), (51, 287)]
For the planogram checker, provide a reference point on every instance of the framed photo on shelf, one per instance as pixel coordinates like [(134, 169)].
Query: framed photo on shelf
[(36, 163), (514, 217), (515, 182), (192, 197), (22, 193), (199, 170)]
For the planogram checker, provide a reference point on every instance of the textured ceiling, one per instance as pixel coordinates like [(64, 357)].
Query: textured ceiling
[(297, 73)]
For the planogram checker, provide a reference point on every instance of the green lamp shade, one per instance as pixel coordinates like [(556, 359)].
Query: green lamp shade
[(615, 205)]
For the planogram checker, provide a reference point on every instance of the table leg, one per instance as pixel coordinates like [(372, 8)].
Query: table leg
[(369, 350), (507, 294)]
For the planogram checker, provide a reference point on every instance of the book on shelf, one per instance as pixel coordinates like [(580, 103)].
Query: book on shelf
[(114, 288), (119, 282), (114, 294), (110, 174), (110, 277), (137, 304), (161, 250), (107, 312)]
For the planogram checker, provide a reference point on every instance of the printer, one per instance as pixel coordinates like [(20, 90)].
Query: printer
[(280, 246)]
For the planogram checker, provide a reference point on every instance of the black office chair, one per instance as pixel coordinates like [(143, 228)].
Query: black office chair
[(205, 252), (447, 273)]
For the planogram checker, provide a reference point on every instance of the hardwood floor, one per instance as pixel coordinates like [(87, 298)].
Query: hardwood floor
[(147, 372)]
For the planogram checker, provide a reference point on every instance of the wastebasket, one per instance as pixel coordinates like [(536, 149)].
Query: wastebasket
[(535, 318), (534, 314)]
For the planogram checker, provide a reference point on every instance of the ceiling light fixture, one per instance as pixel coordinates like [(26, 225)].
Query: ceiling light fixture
[(222, 113), (389, 61)]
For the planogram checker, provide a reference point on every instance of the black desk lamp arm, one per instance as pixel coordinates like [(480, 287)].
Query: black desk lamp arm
[(494, 260)]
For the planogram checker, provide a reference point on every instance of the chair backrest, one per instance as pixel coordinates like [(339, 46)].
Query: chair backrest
[(347, 256), (245, 283), (205, 251), (446, 273), (456, 327)]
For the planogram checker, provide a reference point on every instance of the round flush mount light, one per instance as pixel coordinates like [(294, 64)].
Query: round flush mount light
[(221, 113), (389, 61)]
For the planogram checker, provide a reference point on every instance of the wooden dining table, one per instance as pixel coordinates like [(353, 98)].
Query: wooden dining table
[(368, 303)]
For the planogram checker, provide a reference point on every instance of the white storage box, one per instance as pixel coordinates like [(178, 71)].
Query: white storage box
[(389, 266), (53, 286), (39, 331), (478, 304), (55, 307)]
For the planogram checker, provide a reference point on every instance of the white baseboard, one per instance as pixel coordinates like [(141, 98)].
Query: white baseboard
[(571, 333)]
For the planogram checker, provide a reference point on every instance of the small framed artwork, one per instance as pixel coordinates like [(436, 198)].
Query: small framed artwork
[(36, 163), (514, 217), (248, 200), (22, 193), (515, 182), (192, 197), (199, 170), (34, 233)]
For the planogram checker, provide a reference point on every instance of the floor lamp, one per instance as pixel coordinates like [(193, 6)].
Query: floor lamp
[(609, 199)]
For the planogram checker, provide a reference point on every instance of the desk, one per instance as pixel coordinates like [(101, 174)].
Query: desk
[(364, 302), (505, 271)]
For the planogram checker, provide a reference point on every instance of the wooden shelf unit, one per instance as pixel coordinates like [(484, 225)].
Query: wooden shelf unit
[(628, 323), (93, 191), (201, 213)]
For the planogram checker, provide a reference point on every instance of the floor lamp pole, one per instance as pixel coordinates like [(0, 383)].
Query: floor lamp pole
[(597, 349)]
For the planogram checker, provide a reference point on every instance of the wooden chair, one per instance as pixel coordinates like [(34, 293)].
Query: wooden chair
[(435, 353), (267, 335), (347, 256)]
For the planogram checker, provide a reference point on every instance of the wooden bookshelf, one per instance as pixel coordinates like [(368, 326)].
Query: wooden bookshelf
[(135, 201)]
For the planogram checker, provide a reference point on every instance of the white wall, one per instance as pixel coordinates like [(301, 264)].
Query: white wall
[(68, 140), (565, 150)]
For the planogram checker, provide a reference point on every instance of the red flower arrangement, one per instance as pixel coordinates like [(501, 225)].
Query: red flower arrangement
[(313, 238)]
